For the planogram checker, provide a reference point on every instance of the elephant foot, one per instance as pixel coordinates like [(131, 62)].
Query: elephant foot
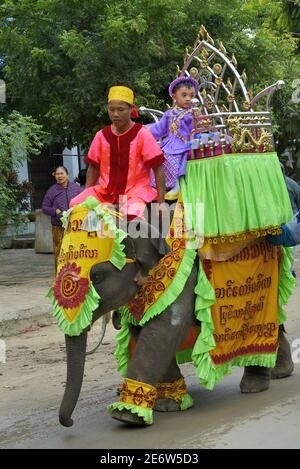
[(136, 403), (166, 405), (172, 397), (126, 416), (284, 364), (255, 379)]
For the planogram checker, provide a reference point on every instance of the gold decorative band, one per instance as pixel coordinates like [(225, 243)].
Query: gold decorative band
[(248, 235), (175, 390), (138, 393)]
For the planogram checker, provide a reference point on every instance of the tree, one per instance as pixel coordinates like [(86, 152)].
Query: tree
[(289, 19), (20, 137), (285, 18), (61, 56)]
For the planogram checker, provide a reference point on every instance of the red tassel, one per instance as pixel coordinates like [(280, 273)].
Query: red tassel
[(134, 112)]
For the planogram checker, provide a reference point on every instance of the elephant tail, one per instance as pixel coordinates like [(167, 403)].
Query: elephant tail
[(76, 350)]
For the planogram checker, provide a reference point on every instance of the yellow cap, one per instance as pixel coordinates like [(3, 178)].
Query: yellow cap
[(121, 93)]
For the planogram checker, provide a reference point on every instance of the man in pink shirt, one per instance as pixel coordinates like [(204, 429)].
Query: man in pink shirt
[(120, 159)]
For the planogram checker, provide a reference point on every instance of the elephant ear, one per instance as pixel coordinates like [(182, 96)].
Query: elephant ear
[(148, 243)]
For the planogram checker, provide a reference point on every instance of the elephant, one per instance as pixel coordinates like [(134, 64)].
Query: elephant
[(154, 360)]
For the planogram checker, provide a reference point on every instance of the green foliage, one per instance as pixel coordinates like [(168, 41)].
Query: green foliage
[(61, 56), (20, 137), (285, 18)]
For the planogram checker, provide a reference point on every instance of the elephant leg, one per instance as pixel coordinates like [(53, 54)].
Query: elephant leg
[(154, 352), (284, 364), (172, 394), (157, 342), (255, 379), (173, 372), (156, 345), (134, 331)]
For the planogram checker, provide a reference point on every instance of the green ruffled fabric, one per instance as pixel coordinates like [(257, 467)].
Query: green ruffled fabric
[(65, 217), (244, 192), (286, 283), (123, 339), (174, 289), (146, 414), (184, 356), (186, 402), (84, 318), (205, 298), (207, 372)]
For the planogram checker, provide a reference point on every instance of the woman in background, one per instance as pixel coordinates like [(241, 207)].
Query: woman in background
[(57, 200)]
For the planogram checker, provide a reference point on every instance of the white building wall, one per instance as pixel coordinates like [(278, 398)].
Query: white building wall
[(23, 175), (22, 171), (70, 161)]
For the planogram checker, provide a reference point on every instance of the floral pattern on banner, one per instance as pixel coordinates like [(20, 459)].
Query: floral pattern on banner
[(158, 281), (69, 289)]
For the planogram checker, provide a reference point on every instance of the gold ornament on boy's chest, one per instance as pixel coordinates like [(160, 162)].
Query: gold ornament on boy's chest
[(173, 127)]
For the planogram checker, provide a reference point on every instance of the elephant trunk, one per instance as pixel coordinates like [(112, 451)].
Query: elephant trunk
[(76, 349)]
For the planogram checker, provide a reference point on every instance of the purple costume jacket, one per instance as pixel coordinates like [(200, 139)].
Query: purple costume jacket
[(175, 125), (59, 197)]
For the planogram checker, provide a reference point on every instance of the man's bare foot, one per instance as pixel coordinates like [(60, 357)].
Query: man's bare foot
[(139, 279)]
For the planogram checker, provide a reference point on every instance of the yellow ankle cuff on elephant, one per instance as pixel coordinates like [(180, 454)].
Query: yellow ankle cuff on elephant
[(145, 414), (175, 390), (138, 393)]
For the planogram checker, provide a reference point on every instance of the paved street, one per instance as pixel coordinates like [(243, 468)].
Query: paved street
[(32, 383), (25, 278)]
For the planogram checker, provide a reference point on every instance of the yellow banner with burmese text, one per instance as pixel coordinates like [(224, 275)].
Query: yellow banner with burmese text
[(245, 314), (80, 251)]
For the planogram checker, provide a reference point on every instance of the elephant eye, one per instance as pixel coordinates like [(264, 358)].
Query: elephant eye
[(97, 275)]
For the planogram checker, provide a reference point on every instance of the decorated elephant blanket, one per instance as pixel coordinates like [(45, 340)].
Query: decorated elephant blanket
[(90, 237), (238, 307), (243, 282), (245, 312)]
